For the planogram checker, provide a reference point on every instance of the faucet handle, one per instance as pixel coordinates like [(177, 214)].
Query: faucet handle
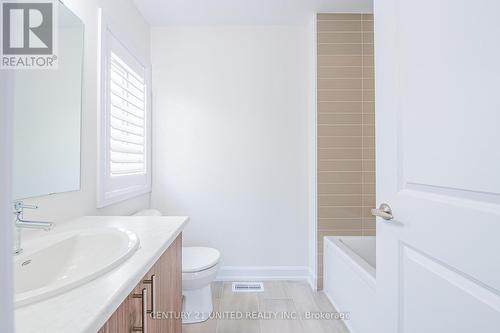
[(19, 206)]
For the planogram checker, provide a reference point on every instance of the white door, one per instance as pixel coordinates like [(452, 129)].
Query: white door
[(438, 165)]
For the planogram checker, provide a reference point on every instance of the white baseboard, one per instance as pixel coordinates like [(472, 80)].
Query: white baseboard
[(312, 279), (263, 273)]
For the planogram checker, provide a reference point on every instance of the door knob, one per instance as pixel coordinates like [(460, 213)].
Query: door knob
[(384, 211)]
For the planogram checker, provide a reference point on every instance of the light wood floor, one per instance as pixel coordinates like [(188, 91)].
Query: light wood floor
[(278, 297)]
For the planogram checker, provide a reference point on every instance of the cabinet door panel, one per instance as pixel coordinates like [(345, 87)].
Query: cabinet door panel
[(126, 316), (168, 272)]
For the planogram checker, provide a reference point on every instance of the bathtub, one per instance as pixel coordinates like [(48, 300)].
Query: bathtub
[(349, 279)]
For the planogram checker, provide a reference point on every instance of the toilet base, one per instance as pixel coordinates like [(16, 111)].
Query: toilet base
[(197, 306)]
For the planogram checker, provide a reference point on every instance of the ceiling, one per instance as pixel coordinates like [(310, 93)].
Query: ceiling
[(242, 12)]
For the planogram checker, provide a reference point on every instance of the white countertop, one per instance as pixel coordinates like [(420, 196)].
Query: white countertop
[(86, 308)]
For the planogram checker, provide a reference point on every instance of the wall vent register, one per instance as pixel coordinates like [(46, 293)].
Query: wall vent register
[(247, 287)]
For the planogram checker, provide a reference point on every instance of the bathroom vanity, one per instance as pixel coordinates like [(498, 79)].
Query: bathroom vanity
[(113, 301), (155, 303)]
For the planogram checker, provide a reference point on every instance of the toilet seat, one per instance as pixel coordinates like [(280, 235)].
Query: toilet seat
[(196, 259)]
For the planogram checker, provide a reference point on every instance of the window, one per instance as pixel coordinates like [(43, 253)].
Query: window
[(125, 122), (127, 125)]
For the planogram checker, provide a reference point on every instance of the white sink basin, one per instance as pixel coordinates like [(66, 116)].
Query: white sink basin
[(56, 263)]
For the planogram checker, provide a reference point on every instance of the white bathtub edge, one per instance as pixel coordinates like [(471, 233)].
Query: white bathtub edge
[(347, 254), (349, 284)]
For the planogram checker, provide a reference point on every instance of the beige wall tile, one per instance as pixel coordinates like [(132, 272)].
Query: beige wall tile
[(369, 153), (367, 37), (320, 278), (339, 119), (369, 119), (340, 189), (340, 153), (368, 95), (339, 26), (369, 232), (369, 84), (368, 130), (340, 142), (342, 84), (368, 165), (349, 84), (341, 37), (346, 127), (338, 60), (369, 107), (368, 60), (367, 26), (368, 142), (340, 49), (340, 107), (369, 177), (369, 223), (368, 72), (326, 224), (340, 201), (340, 130), (368, 49), (339, 17), (340, 212), (339, 177), (369, 188), (340, 72), (340, 165), (340, 96), (369, 200)]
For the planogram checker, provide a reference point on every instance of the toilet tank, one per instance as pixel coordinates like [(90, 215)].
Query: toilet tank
[(148, 212)]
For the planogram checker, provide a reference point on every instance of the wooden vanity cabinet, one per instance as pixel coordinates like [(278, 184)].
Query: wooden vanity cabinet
[(167, 296)]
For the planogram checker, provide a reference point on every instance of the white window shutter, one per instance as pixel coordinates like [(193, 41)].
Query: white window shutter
[(125, 136), (127, 119)]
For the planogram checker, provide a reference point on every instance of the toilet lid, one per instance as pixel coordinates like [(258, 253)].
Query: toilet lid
[(195, 259)]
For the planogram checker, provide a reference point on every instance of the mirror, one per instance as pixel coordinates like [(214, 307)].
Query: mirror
[(47, 118)]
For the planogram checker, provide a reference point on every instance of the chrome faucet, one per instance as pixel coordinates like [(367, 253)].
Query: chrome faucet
[(21, 223)]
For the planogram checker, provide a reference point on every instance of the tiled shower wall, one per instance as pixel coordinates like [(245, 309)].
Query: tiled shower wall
[(345, 127)]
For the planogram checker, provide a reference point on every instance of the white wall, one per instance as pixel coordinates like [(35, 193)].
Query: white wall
[(6, 119), (129, 23), (312, 156), (231, 131)]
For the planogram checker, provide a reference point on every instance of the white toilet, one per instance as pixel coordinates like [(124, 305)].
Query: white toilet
[(199, 269)]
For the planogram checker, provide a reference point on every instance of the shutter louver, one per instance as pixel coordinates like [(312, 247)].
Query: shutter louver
[(127, 132)]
